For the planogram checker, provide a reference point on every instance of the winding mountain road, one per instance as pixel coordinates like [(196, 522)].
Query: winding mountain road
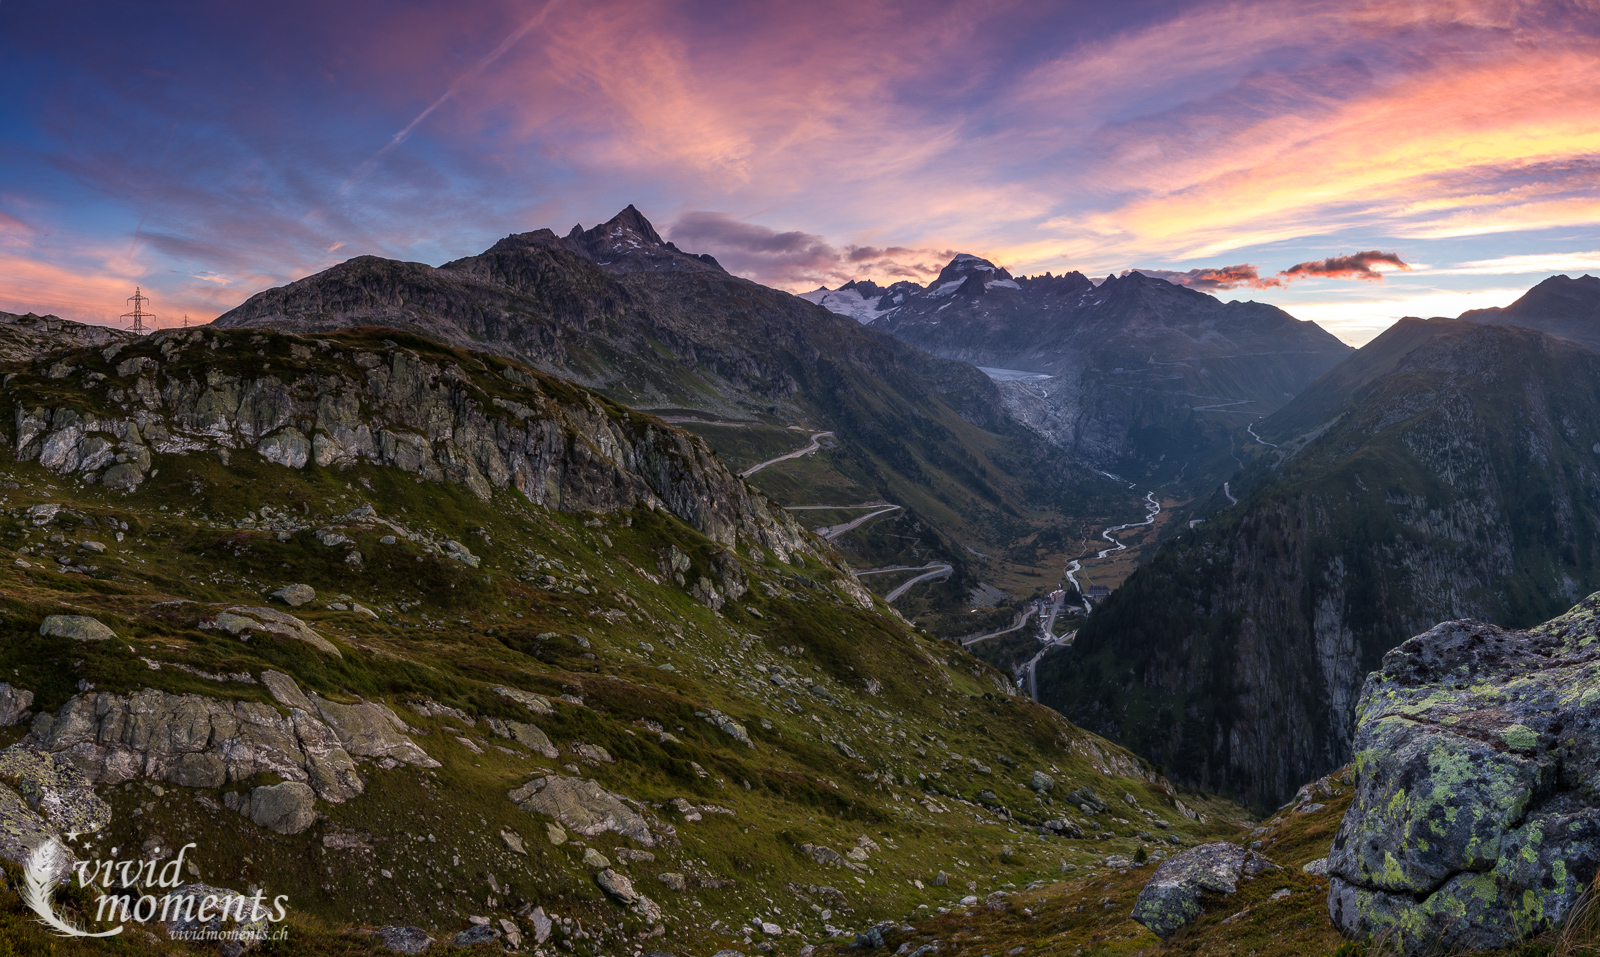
[(939, 570), (1021, 620), (814, 446), (834, 531)]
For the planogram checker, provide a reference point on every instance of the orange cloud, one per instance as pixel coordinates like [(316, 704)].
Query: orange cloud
[(1210, 280), (1354, 266)]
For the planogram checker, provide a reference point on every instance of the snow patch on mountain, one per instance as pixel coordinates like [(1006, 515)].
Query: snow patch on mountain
[(845, 302)]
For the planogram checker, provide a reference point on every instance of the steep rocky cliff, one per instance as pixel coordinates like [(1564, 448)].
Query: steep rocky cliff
[(1135, 375), (337, 402), (1447, 470)]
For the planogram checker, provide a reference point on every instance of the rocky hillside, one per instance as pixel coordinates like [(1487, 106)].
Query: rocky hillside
[(1447, 470), (1145, 378), (439, 646), (24, 338), (1561, 306), (618, 309)]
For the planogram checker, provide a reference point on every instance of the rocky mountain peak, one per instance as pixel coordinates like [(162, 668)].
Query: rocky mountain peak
[(966, 265), (1560, 305), (628, 230)]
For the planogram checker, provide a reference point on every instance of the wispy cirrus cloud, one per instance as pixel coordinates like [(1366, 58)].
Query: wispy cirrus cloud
[(1528, 264), (840, 139)]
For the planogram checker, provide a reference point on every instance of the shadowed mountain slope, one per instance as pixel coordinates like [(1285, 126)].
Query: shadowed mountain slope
[(1561, 306), (1446, 470)]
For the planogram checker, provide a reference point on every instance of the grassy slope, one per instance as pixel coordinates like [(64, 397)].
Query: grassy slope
[(452, 633)]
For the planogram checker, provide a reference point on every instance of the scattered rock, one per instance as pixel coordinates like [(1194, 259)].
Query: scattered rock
[(14, 704), (617, 885), (1064, 828), (295, 595), (237, 621), (513, 842), (593, 858), (582, 805), (476, 934), (78, 627), (537, 703), (1042, 782), (592, 753), (557, 834), (673, 880), (1086, 800), (402, 940), (1319, 867), (542, 925), (1171, 898), (731, 727), (185, 922)]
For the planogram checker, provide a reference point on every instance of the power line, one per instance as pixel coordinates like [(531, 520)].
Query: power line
[(138, 315)]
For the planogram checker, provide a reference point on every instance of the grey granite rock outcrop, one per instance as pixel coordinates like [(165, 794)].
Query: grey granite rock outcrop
[(1476, 818), (195, 741), (584, 806), (420, 413)]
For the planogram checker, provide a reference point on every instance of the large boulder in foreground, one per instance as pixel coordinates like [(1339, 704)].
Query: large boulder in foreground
[(1476, 817)]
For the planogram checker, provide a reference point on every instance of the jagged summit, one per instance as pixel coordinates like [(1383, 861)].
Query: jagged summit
[(966, 266), (626, 242)]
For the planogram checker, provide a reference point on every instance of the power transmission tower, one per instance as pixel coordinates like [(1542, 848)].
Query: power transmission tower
[(138, 315), (186, 320)]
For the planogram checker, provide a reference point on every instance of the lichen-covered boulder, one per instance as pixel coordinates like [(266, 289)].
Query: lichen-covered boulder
[(1171, 898), (53, 787), (1476, 816)]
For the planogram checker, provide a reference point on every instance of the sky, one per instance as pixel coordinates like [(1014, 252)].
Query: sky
[(1350, 162)]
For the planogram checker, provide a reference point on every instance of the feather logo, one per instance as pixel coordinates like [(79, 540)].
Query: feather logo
[(39, 882)]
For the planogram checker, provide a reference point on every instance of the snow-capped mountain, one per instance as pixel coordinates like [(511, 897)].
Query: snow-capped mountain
[(1146, 377)]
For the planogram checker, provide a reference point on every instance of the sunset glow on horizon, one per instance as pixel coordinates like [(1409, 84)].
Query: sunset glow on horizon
[(206, 152)]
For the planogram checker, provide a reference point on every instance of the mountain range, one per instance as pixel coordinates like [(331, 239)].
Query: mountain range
[(1134, 374), (617, 308)]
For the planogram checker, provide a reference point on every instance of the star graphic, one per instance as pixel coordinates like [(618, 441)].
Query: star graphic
[(72, 835)]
